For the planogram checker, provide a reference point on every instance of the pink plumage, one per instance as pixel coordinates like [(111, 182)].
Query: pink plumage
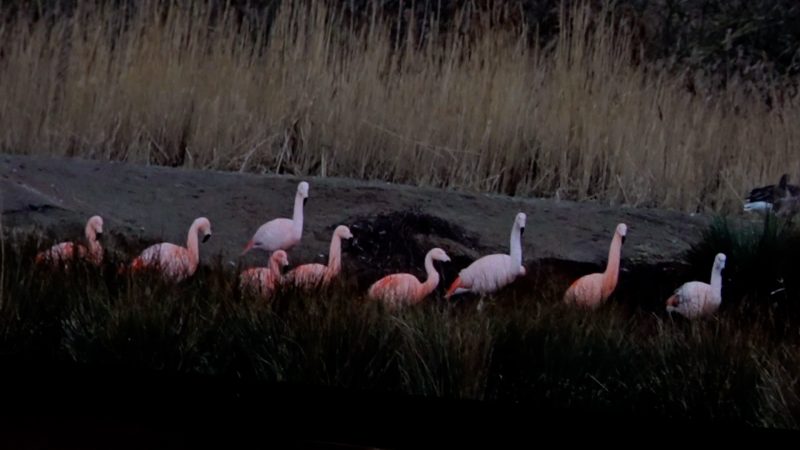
[(173, 261), (696, 299), (63, 252), (263, 281), (492, 272), (281, 233), (318, 275), (402, 289), (590, 291)]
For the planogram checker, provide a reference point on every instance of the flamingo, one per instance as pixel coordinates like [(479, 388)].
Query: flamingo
[(64, 251), (783, 198), (594, 289), (262, 281), (281, 233), (695, 298), (311, 275), (175, 262), (401, 289), (492, 272)]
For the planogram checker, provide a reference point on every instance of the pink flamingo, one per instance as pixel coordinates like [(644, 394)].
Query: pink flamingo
[(263, 281), (401, 289), (492, 272), (695, 298), (312, 275), (64, 251), (594, 289), (175, 262), (281, 233)]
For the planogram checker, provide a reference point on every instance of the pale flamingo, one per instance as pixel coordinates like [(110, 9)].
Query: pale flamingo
[(782, 198), (281, 233), (594, 289), (175, 262), (313, 275), (492, 272), (695, 298), (263, 281), (402, 289), (65, 251)]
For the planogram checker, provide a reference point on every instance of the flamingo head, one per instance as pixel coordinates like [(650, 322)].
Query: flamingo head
[(281, 258), (343, 232), (519, 221), (302, 191), (203, 227), (719, 261), (622, 230), (438, 254), (96, 224)]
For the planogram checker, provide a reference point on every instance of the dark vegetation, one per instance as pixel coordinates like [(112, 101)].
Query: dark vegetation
[(740, 367)]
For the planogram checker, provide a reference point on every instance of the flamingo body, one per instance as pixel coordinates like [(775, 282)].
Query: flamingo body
[(591, 291), (63, 252), (281, 233), (263, 281), (695, 298), (173, 261), (490, 273), (402, 289), (315, 274)]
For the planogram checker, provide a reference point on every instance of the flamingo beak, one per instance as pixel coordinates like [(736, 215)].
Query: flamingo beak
[(521, 231), (672, 301), (305, 200), (248, 246), (98, 234), (205, 238)]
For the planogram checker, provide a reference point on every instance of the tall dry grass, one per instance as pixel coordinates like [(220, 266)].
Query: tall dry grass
[(171, 82)]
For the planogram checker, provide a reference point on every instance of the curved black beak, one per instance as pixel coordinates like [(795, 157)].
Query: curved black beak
[(521, 231), (205, 238), (98, 235), (305, 200), (623, 239), (284, 269)]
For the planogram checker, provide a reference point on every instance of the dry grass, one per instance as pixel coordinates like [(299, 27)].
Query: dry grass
[(575, 118)]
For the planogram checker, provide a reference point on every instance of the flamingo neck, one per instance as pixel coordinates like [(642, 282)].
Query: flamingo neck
[(716, 283), (297, 216), (91, 237), (193, 246), (611, 273), (274, 269), (516, 245), (335, 256), (431, 282)]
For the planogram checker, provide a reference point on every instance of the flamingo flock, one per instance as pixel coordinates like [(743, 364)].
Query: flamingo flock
[(483, 277)]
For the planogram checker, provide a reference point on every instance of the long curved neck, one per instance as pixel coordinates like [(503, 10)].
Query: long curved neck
[(516, 245), (297, 215), (716, 282), (433, 279), (274, 268), (611, 274), (335, 256), (192, 245), (91, 238)]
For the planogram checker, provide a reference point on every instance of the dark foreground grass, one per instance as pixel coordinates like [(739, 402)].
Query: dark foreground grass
[(525, 348)]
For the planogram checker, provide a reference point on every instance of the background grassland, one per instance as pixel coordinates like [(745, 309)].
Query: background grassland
[(581, 112)]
